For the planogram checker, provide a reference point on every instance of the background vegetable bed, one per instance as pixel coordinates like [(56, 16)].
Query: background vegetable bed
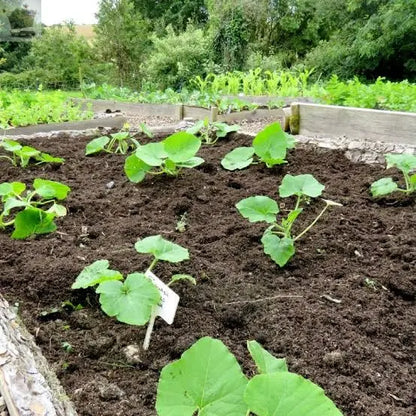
[(361, 351)]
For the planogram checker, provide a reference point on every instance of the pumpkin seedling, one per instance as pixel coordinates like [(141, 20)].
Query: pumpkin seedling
[(278, 240), (406, 164), (38, 208), (22, 155), (270, 146), (135, 299), (211, 132), (169, 156), (207, 380)]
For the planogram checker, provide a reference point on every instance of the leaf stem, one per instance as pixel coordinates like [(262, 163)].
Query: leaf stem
[(312, 223), (149, 330)]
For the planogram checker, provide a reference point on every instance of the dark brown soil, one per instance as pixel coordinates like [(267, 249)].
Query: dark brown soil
[(361, 350)]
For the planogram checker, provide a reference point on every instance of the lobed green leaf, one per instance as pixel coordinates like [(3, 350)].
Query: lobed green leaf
[(266, 363), (51, 189), (404, 162), (258, 208), (10, 145), (181, 146), (94, 274), (135, 169), (11, 189), (239, 158), (279, 249), (152, 153), (131, 301), (383, 186), (32, 221), (300, 185), (287, 394), (206, 379), (162, 249), (96, 145)]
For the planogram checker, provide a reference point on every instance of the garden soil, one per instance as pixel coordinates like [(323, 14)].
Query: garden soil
[(342, 311)]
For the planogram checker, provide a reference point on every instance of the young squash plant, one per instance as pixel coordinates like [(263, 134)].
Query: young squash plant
[(120, 142), (270, 146), (208, 381), (278, 239), (32, 212), (210, 133), (169, 156), (406, 163), (133, 300), (22, 155)]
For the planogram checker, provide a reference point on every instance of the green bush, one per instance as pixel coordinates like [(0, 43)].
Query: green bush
[(175, 59)]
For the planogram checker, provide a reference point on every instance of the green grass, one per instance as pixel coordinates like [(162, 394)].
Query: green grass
[(24, 108)]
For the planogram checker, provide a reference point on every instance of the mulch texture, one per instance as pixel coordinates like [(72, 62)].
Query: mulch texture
[(360, 350)]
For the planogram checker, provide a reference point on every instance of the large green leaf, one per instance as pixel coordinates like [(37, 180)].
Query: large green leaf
[(130, 301), (152, 153), (266, 363), (279, 249), (135, 169), (33, 221), (95, 274), (47, 158), (11, 203), (222, 129), (300, 185), (271, 144), (206, 379), (10, 145), (26, 153), (51, 189), (162, 249), (405, 162), (239, 158), (193, 162), (11, 188), (383, 186), (96, 145), (258, 208), (287, 394), (181, 146)]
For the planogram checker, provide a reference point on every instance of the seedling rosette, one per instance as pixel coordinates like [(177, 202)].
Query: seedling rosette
[(32, 212), (120, 142), (207, 381), (210, 133), (278, 240), (169, 156), (22, 155), (269, 146), (133, 300), (406, 164)]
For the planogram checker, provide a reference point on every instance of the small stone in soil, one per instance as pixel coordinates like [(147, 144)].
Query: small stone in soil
[(132, 353)]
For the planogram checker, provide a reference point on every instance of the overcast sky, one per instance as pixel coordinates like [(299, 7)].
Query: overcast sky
[(58, 11)]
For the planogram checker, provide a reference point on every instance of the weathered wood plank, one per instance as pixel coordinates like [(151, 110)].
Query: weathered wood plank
[(162, 110), (110, 122), (356, 123), (196, 113), (27, 384), (261, 113)]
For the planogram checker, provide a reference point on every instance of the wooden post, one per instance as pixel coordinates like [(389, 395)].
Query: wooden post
[(214, 114), (180, 112), (294, 119)]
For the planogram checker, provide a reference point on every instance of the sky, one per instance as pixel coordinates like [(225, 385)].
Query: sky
[(58, 11)]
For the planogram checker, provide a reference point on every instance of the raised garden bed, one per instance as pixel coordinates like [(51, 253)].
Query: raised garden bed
[(342, 311)]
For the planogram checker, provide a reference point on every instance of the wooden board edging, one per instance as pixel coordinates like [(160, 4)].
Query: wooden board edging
[(28, 385), (355, 123)]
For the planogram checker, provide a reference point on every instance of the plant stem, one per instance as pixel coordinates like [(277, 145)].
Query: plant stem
[(312, 223), (152, 265)]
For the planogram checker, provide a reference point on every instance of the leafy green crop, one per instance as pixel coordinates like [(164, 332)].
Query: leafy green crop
[(406, 164), (211, 132), (133, 300), (207, 381), (270, 146), (21, 155), (169, 156), (278, 241), (32, 217)]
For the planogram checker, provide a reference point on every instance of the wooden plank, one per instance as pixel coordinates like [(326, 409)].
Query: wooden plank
[(196, 113), (261, 113), (357, 123), (27, 384), (110, 122), (160, 110)]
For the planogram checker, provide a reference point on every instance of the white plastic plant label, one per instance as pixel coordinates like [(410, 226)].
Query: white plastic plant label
[(169, 299)]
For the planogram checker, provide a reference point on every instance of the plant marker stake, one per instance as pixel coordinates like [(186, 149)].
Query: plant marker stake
[(151, 324)]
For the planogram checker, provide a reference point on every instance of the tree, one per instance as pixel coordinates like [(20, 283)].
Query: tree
[(122, 38)]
